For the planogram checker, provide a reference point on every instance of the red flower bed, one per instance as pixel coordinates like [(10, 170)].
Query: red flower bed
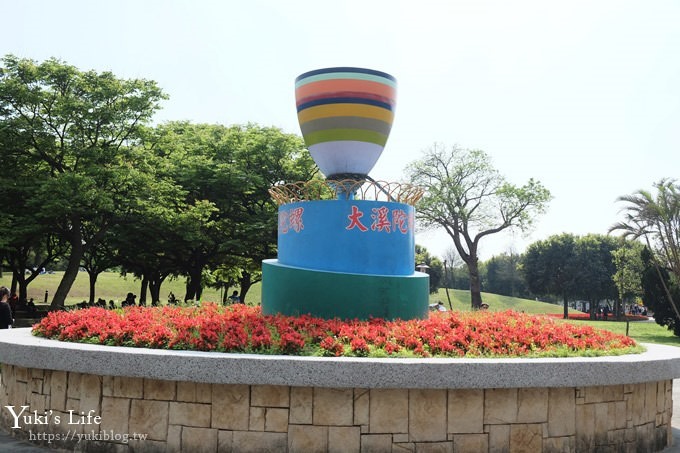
[(239, 328), (586, 316)]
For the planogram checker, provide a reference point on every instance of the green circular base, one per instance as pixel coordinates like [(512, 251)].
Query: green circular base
[(295, 291)]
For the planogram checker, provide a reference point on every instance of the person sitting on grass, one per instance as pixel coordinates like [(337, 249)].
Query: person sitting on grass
[(6, 315), (234, 298)]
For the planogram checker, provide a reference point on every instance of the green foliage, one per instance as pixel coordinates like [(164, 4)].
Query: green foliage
[(655, 218), (70, 133), (503, 276), (435, 267), (467, 197)]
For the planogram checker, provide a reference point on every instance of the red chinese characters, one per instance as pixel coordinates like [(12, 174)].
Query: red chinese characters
[(382, 220), (291, 219), (355, 220)]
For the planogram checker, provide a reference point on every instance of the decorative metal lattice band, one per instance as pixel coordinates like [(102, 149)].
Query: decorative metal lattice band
[(346, 188)]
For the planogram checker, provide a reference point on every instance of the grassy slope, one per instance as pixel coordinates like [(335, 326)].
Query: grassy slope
[(112, 286)]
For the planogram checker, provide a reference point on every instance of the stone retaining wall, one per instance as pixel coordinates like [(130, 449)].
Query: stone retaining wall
[(181, 416)]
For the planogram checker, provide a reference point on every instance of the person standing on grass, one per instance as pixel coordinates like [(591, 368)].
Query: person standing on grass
[(6, 315)]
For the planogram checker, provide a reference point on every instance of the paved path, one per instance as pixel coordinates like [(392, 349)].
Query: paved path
[(9, 444)]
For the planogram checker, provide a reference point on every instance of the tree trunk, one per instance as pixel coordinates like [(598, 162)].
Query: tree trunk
[(23, 288), (13, 286), (155, 282), (245, 284), (566, 306), (194, 285), (593, 310), (475, 285), (93, 284), (70, 275), (142, 291)]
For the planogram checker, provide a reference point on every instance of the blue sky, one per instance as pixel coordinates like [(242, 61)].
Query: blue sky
[(583, 96)]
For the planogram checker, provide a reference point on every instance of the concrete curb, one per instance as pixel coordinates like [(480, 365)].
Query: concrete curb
[(19, 347)]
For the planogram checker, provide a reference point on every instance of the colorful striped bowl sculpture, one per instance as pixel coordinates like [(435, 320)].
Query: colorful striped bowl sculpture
[(345, 115)]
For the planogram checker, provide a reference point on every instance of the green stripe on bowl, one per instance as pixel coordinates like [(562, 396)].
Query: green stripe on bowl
[(346, 122), (335, 135)]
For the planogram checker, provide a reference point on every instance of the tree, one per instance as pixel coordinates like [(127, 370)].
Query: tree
[(549, 267), (435, 268), (594, 269), (503, 276), (658, 289), (655, 218), (225, 174), (629, 270), (75, 129), (467, 197)]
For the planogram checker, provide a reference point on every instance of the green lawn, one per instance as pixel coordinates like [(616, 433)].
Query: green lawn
[(112, 286)]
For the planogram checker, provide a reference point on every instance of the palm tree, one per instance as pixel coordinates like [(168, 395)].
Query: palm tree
[(657, 220)]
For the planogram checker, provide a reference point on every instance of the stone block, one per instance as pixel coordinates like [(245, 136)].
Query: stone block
[(593, 394), (47, 380), (470, 443), (404, 447), (434, 447), (602, 422), (107, 385), (276, 419), (199, 440), (561, 412), (376, 443), (73, 404), (526, 437), (156, 389), (344, 439), (618, 411), (499, 438), (128, 387), (333, 406), (532, 405), (427, 415), (613, 393), (466, 411), (304, 438), (90, 393), (650, 401), (661, 395), (256, 420), (21, 374), (585, 427), (270, 395), (230, 407), (559, 444), (174, 442), (400, 438), (301, 404), (115, 415), (388, 411), (19, 393), (194, 392), (58, 387), (150, 417), (38, 403), (73, 385), (36, 385), (361, 407), (616, 438), (190, 414), (500, 406), (225, 441), (247, 442)]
